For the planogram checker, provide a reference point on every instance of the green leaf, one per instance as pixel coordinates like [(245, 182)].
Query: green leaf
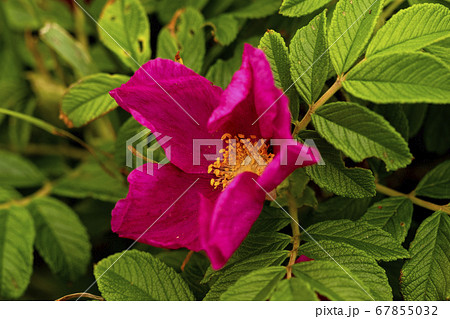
[(129, 130), (7, 194), (400, 78), (373, 240), (359, 265), (229, 275), (188, 38), (257, 285), (440, 50), (70, 50), (90, 180), (351, 27), (167, 8), (436, 184), (436, 129), (309, 58), (270, 219), (294, 289), (16, 251), (135, 275), (89, 98), (330, 280), (124, 29), (300, 8), (395, 115), (341, 208), (426, 275), (222, 71), (411, 29), (225, 28), (415, 114), (20, 131), (17, 171), (361, 133), (277, 54), (61, 238), (257, 9), (193, 274), (334, 176), (393, 215)]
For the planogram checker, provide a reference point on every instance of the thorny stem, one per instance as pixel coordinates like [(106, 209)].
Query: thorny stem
[(325, 97), (293, 211), (411, 196), (42, 192)]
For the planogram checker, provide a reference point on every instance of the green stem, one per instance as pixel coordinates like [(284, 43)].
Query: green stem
[(325, 97), (293, 211), (420, 202), (42, 192)]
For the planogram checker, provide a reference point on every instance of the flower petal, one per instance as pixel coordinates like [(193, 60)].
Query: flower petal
[(166, 204), (172, 100), (225, 223), (289, 156), (252, 104)]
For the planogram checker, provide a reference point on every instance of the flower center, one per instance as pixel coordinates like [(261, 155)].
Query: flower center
[(240, 155)]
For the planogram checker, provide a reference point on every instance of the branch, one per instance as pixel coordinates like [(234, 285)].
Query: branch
[(42, 192), (293, 211), (420, 202)]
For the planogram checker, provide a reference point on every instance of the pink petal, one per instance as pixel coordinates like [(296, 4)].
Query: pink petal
[(177, 103), (252, 104), (157, 200), (303, 258), (225, 223), (296, 155)]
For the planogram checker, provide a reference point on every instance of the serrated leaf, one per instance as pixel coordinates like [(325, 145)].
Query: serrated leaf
[(257, 285), (436, 184), (426, 276), (89, 98), (299, 8), (257, 9), (188, 37), (373, 240), (334, 176), (350, 29), (440, 50), (330, 280), (341, 208), (395, 115), (124, 29), (71, 51), (400, 78), (229, 275), (415, 114), (411, 29), (276, 52), (309, 58), (361, 133), (225, 28), (18, 171), (61, 238), (294, 289), (16, 251), (359, 265), (136, 275), (270, 219), (90, 180), (393, 215)]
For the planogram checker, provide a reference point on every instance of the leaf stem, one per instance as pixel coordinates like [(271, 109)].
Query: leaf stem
[(324, 98), (42, 192), (293, 211), (411, 196), (186, 260), (80, 295)]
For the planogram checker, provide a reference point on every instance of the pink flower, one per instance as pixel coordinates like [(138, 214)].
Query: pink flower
[(217, 211)]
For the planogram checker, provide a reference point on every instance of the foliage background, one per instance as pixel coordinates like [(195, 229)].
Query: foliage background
[(62, 157)]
